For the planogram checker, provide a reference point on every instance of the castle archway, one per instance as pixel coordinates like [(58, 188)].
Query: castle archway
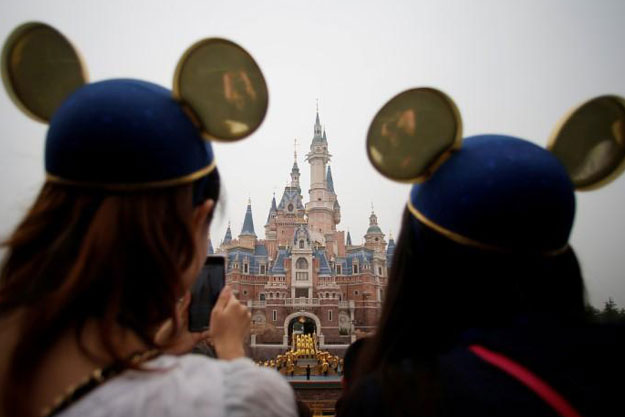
[(304, 322)]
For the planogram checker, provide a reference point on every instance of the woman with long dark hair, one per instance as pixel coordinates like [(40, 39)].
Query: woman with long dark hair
[(94, 289), (484, 313)]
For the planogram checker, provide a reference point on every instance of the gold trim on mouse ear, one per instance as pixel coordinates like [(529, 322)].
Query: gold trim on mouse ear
[(40, 68), (590, 142), (413, 133), (224, 87)]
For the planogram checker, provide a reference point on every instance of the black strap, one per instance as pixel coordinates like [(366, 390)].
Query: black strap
[(98, 377)]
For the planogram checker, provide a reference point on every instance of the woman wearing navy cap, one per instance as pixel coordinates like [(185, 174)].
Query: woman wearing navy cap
[(95, 283), (484, 309)]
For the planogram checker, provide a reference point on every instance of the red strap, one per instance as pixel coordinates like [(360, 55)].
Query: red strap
[(527, 378)]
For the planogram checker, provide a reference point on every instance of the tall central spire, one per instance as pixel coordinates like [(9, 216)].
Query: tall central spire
[(318, 131)]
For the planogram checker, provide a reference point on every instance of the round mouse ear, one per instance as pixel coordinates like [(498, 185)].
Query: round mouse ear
[(590, 142), (413, 134), (40, 68), (224, 87)]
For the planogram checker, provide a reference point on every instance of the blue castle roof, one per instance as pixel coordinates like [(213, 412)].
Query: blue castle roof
[(273, 209), (248, 223), (329, 180)]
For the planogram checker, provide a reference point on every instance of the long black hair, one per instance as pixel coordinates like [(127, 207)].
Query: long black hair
[(438, 289)]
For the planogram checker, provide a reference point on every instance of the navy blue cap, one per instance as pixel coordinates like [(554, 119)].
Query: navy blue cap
[(122, 133), (499, 192)]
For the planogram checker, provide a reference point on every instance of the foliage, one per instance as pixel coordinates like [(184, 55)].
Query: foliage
[(610, 313)]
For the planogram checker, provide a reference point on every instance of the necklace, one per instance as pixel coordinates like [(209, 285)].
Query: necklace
[(75, 392)]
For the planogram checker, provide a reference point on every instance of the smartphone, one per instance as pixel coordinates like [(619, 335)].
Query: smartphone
[(205, 292)]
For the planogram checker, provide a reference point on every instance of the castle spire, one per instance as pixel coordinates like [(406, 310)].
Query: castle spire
[(349, 239), (228, 236), (248, 222), (318, 134), (329, 180), (274, 208), (295, 170)]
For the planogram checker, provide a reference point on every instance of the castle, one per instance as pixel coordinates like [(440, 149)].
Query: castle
[(306, 276)]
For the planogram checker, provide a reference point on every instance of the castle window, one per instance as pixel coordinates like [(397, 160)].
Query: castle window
[(274, 315), (379, 270), (338, 269), (244, 292), (355, 267), (262, 269), (301, 276), (301, 244), (327, 295), (376, 239), (329, 315), (262, 297), (356, 292), (245, 268), (301, 263)]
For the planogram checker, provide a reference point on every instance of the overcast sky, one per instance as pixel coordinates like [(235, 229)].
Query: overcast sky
[(512, 67)]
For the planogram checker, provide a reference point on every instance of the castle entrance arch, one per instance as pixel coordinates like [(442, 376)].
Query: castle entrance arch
[(301, 322)]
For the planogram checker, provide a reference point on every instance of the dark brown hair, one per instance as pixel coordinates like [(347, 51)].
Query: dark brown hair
[(87, 254)]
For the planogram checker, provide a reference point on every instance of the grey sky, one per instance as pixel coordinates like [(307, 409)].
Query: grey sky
[(512, 67)]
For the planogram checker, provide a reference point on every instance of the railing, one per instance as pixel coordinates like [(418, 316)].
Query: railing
[(346, 304), (301, 302), (257, 304)]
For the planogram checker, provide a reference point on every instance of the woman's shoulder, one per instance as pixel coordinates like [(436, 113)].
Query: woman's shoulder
[(190, 385)]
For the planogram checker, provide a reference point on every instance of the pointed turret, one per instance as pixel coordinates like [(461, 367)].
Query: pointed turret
[(248, 222), (228, 236), (391, 245), (318, 132), (390, 250), (348, 240), (210, 250), (329, 180), (295, 169), (273, 210)]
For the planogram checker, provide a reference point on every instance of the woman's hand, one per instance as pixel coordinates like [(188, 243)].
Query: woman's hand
[(230, 324), (184, 340)]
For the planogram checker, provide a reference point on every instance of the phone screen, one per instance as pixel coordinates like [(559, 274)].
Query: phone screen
[(205, 292)]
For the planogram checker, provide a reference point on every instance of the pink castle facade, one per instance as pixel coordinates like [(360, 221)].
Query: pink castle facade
[(307, 276)]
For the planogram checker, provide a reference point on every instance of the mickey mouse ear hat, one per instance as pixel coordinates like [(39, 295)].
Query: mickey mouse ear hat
[(495, 192), (126, 134)]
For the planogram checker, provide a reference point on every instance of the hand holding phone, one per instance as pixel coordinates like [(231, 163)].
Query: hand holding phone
[(230, 325)]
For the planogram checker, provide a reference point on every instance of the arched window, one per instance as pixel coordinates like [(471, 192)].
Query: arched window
[(262, 297), (301, 263), (301, 244)]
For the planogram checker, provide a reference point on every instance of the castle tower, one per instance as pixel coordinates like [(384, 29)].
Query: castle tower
[(247, 237), (374, 238), (321, 207), (301, 264)]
